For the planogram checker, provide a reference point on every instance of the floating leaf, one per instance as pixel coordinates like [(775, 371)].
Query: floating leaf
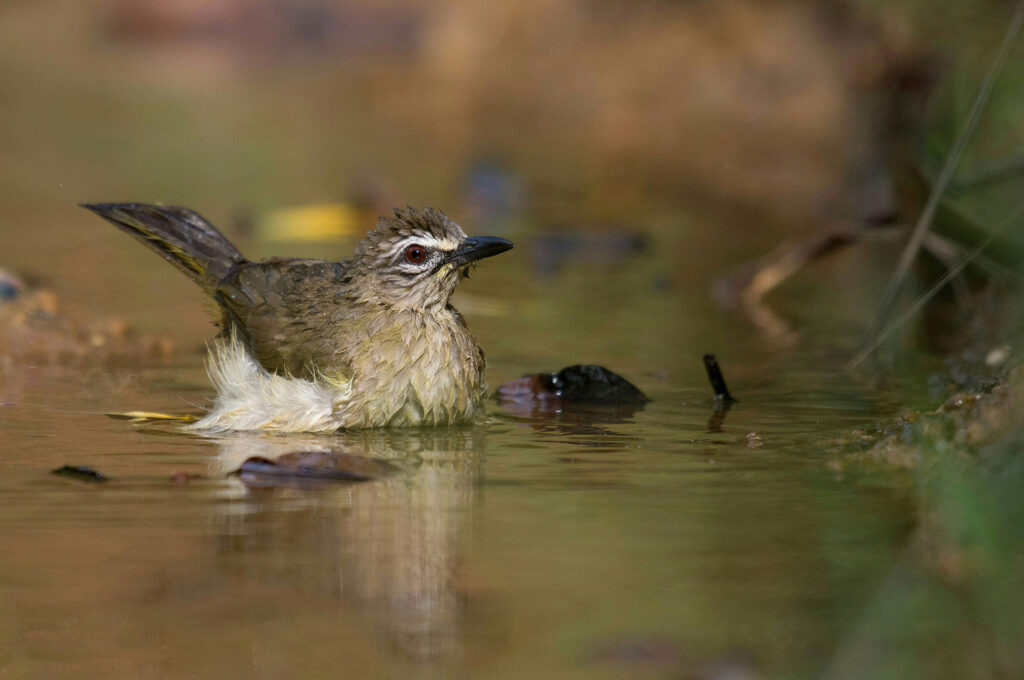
[(82, 473)]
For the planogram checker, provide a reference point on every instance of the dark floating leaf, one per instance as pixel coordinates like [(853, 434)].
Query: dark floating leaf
[(313, 465), (82, 473)]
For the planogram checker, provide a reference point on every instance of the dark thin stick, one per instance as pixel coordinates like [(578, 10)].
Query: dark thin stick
[(717, 381), (939, 188)]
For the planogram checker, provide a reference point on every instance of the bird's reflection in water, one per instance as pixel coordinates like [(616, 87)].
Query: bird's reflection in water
[(389, 546)]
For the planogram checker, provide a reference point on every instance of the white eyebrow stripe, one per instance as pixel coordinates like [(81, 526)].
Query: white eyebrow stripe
[(446, 244)]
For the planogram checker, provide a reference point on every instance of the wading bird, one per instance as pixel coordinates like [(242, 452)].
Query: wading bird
[(315, 345)]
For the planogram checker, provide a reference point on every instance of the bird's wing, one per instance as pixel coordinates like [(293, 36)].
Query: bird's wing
[(287, 313)]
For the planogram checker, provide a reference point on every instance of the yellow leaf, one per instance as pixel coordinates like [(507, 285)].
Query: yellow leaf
[(311, 223), (139, 416)]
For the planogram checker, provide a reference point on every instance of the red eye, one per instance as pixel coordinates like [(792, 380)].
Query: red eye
[(415, 253)]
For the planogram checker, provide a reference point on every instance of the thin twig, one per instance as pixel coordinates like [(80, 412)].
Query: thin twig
[(936, 287), (717, 379)]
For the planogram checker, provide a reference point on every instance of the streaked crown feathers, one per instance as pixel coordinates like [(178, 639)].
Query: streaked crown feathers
[(427, 226)]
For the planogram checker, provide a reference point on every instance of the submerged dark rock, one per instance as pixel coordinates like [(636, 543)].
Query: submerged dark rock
[(312, 466)]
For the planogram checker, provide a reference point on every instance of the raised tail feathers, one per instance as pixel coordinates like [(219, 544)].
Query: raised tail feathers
[(180, 236)]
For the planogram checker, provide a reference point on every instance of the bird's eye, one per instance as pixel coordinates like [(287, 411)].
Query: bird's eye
[(415, 253)]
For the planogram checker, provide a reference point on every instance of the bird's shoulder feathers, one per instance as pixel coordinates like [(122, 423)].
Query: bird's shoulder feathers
[(288, 312)]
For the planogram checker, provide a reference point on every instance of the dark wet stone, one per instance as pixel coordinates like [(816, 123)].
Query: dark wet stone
[(82, 473), (587, 382), (313, 465), (582, 383), (577, 399)]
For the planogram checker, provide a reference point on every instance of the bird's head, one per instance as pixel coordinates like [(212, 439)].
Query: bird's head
[(415, 258)]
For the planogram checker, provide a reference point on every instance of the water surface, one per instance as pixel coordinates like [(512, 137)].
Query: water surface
[(664, 542)]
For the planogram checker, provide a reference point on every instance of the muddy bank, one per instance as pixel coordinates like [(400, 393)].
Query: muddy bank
[(959, 581)]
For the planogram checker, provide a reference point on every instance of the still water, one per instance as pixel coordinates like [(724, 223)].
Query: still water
[(664, 542)]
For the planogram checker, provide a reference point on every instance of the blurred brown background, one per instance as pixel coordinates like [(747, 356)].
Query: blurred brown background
[(748, 121)]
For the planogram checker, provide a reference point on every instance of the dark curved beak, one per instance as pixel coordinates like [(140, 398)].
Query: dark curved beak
[(478, 247)]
